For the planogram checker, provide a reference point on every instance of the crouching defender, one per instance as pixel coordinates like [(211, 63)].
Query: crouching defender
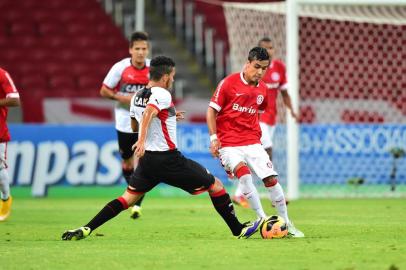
[(160, 161)]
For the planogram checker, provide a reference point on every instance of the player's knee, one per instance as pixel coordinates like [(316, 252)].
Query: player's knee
[(217, 188), (270, 181), (131, 197), (241, 170)]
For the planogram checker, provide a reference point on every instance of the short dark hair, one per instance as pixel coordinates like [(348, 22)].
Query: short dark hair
[(138, 36), (160, 65), (264, 39), (258, 53)]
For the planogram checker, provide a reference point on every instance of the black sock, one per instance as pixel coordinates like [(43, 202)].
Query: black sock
[(109, 211), (127, 175), (138, 203), (225, 208)]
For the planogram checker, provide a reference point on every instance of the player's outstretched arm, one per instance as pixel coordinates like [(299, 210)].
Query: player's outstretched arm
[(288, 103)]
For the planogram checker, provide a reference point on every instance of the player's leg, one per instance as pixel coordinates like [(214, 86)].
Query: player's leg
[(139, 185), (222, 203), (263, 167), (109, 211), (125, 142), (234, 158), (267, 137), (278, 200), (238, 198), (6, 199)]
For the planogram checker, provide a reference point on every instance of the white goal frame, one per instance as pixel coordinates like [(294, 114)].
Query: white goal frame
[(292, 59)]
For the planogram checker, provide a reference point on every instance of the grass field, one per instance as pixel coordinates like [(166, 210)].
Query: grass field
[(187, 233)]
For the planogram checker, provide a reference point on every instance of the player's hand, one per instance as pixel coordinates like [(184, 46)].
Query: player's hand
[(180, 115), (294, 115), (214, 148), (139, 149)]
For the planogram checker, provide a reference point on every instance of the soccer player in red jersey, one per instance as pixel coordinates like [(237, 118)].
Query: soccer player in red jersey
[(235, 134), (275, 81), (124, 79), (9, 97)]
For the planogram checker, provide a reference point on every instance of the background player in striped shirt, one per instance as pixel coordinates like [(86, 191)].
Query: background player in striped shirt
[(124, 79), (232, 119), (9, 97), (160, 161)]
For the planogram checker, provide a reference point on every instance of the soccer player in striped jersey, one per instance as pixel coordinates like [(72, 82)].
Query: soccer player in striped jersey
[(9, 97), (159, 159), (124, 79)]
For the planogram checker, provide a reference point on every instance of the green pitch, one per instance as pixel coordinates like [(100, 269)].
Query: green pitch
[(186, 233)]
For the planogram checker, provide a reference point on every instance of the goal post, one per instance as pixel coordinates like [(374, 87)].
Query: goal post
[(348, 86)]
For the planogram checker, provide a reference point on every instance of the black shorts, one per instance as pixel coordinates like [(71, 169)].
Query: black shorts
[(172, 168), (125, 142)]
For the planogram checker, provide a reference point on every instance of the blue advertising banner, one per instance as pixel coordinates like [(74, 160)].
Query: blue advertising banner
[(44, 155)]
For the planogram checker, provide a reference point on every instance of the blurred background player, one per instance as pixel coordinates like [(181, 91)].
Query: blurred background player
[(9, 97), (235, 134), (124, 79), (275, 80), (160, 161)]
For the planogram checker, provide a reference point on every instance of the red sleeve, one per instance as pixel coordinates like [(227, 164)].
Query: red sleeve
[(219, 97), (7, 84), (282, 73)]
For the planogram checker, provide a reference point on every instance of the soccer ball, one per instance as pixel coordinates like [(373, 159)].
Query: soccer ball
[(273, 227)]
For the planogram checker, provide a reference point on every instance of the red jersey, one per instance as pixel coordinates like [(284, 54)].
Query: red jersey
[(238, 104), (7, 90), (275, 80)]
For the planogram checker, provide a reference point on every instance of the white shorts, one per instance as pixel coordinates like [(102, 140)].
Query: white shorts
[(3, 155), (267, 134), (253, 155)]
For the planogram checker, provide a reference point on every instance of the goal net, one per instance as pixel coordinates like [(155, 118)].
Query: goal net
[(352, 93)]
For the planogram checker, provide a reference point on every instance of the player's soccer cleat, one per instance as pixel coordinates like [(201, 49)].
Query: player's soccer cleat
[(250, 228), (135, 212), (241, 201), (293, 232), (5, 208), (76, 234)]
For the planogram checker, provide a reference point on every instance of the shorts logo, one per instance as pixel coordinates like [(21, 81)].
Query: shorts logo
[(275, 76), (269, 164), (260, 99)]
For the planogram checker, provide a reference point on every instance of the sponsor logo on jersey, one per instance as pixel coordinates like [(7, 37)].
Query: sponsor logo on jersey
[(131, 88), (260, 99), (250, 110), (141, 101)]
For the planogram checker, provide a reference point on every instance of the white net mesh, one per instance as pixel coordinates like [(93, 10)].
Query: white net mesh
[(352, 93)]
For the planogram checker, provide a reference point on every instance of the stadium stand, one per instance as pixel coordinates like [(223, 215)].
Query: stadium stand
[(57, 49)]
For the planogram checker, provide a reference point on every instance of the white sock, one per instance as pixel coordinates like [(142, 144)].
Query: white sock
[(251, 194), (278, 199), (4, 184), (238, 191)]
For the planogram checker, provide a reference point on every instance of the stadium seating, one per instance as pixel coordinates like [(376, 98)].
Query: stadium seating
[(57, 48)]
